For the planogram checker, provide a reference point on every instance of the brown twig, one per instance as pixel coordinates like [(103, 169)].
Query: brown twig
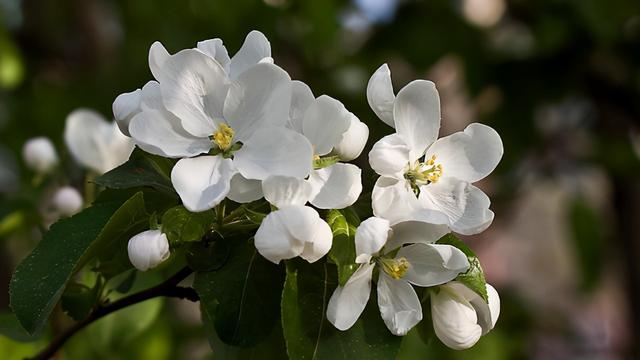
[(168, 288)]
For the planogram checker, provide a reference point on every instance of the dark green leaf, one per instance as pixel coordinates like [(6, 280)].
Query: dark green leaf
[(11, 328), (207, 256), (243, 297), (142, 169), (39, 280), (308, 333), (474, 277), (181, 225), (343, 250), (78, 299)]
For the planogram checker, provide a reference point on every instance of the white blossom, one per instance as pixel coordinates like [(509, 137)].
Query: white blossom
[(148, 249), (95, 143), (40, 155), (67, 201), (460, 316), (418, 170), (420, 263)]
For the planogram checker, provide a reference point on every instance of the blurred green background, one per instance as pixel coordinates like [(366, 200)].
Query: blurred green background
[(558, 79)]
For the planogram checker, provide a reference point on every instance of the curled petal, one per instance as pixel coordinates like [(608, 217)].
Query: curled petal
[(353, 140), (348, 301), (283, 191), (216, 50), (255, 48), (301, 98), (336, 186), (454, 319), (202, 182), (399, 305), (320, 244), (371, 236), (428, 228), (158, 55), (390, 156), (125, 107), (380, 94), (394, 200), (244, 190), (433, 264), (324, 124)]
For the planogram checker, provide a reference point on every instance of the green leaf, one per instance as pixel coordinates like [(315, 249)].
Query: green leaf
[(208, 256), (142, 169), (180, 225), (325, 161), (243, 297), (308, 333), (343, 224), (11, 328), (39, 281), (78, 299), (474, 277)]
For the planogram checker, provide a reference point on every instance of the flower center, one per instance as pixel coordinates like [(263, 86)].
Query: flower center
[(423, 173), (223, 137), (396, 268)]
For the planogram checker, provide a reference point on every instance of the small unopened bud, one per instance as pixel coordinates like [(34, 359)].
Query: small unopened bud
[(40, 155), (67, 201), (148, 249)]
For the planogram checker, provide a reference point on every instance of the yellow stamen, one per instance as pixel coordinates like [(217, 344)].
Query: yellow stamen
[(223, 137), (396, 268)]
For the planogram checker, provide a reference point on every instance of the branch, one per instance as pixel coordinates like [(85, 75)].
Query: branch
[(168, 288)]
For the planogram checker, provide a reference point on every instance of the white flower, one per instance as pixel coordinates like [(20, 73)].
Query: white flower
[(422, 263), (95, 143), (67, 201), (420, 171), (148, 249), (461, 316), (40, 155), (195, 108), (125, 107), (294, 229), (332, 130)]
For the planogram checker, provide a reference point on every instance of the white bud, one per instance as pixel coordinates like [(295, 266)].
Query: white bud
[(125, 107), (148, 249), (40, 155), (67, 201), (353, 140), (460, 316)]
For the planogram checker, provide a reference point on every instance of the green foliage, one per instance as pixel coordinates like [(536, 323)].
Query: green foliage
[(208, 255), (242, 298), (180, 225), (308, 333), (474, 277), (142, 169), (343, 224), (11, 328), (78, 299)]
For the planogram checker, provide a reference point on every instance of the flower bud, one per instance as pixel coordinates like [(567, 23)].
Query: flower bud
[(40, 155), (148, 249), (460, 316), (125, 107), (353, 140), (67, 201)]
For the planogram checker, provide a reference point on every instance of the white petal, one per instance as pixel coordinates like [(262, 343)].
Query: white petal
[(157, 57), (148, 249), (494, 305), (125, 107), (151, 97), (371, 236), (301, 98), (202, 182), (259, 96), (194, 87), (320, 243), (433, 264), (216, 50), (274, 151), (67, 201), (159, 132), (40, 155), (284, 233), (389, 156), (95, 143), (255, 48), (348, 301), (244, 190), (393, 200), (416, 114), (429, 229), (399, 304), (487, 313), (470, 155), (380, 94), (283, 191), (353, 140), (336, 186), (466, 206), (324, 124), (454, 319)]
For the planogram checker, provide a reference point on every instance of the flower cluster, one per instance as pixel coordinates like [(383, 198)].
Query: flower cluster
[(241, 129)]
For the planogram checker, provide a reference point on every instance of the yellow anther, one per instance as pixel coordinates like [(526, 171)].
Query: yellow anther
[(432, 160), (396, 268), (223, 137), (316, 157)]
